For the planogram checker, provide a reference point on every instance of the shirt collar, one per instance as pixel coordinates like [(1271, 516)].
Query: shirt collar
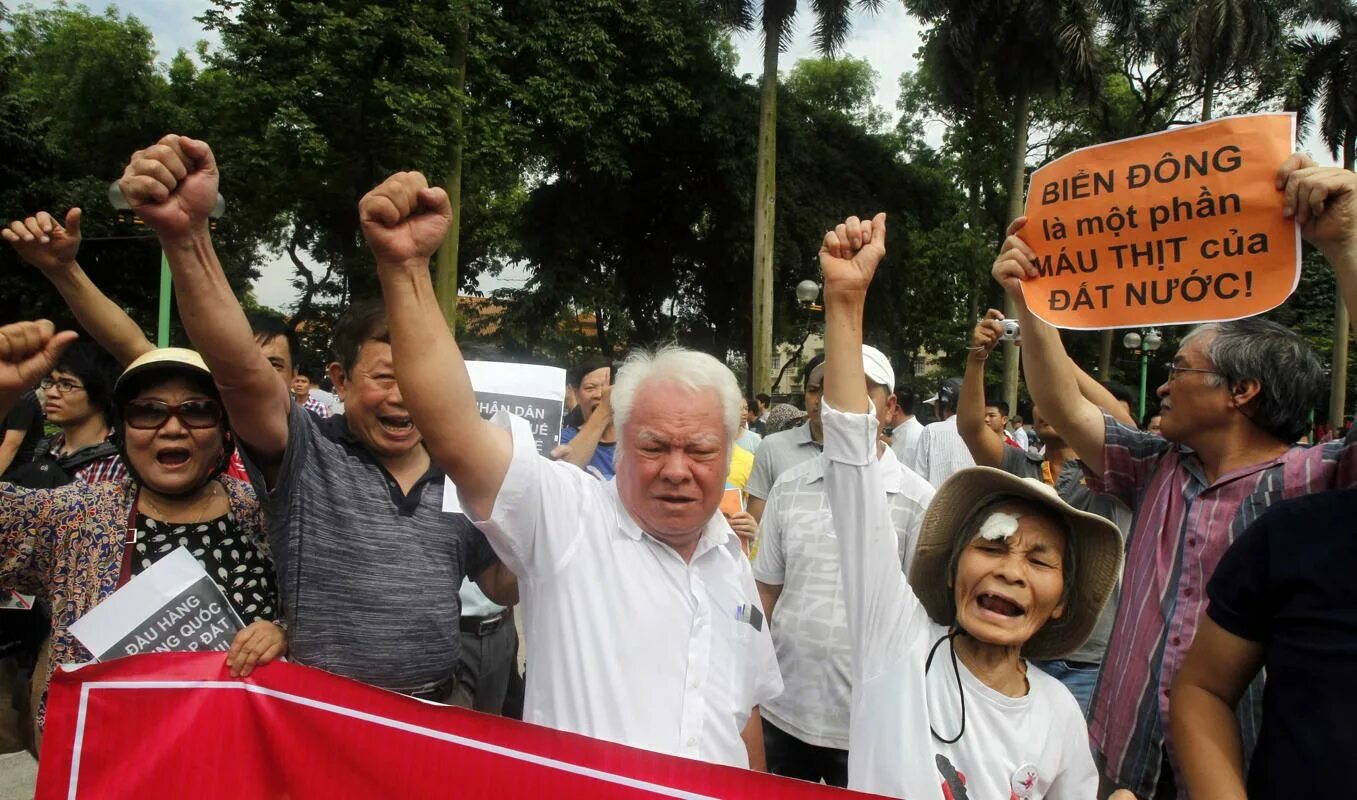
[(716, 533)]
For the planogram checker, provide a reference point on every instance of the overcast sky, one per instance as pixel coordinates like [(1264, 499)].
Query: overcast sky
[(888, 41)]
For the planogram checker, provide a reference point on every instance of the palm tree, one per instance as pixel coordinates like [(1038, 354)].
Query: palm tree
[(833, 19), (1327, 87), (1215, 40), (1018, 50)]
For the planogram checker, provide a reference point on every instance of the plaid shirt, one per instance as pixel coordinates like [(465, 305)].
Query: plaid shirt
[(317, 407), (111, 468), (1183, 525)]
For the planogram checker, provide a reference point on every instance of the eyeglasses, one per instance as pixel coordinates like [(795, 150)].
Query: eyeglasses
[(1174, 369), (150, 415), (61, 386)]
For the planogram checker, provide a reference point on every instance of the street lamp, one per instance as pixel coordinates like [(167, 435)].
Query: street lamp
[(806, 293), (119, 202), (1143, 346)]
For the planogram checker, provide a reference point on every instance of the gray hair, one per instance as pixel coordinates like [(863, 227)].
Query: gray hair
[(1283, 363), (689, 369)]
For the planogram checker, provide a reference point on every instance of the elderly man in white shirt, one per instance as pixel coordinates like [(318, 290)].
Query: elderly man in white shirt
[(805, 729), (639, 608)]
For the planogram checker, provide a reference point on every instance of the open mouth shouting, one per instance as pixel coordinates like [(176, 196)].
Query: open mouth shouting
[(173, 457), (998, 608), (396, 426)]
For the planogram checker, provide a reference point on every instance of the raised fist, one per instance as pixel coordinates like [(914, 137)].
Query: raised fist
[(172, 185), (405, 221), (43, 242), (850, 254), (28, 353)]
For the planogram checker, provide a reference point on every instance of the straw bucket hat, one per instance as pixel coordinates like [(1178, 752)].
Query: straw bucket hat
[(1095, 542)]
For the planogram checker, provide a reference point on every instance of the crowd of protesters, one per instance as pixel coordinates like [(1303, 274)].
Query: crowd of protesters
[(1078, 608)]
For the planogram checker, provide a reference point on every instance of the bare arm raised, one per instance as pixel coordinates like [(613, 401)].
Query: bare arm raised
[(986, 449), (1051, 375), (404, 221), (52, 247), (172, 185)]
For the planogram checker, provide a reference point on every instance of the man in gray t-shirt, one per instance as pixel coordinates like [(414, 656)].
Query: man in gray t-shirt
[(779, 452), (368, 563)]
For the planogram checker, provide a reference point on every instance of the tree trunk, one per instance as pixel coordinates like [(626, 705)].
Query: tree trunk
[(978, 281), (1105, 355), (1338, 388), (1208, 98), (765, 199), (445, 262), (1016, 184)]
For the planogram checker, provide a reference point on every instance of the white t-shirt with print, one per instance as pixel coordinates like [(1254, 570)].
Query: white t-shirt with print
[(1028, 748)]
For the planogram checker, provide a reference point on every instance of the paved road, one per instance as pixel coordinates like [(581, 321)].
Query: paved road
[(18, 776)]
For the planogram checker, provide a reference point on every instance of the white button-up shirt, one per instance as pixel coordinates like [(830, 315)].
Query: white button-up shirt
[(628, 642), (799, 551), (940, 451)]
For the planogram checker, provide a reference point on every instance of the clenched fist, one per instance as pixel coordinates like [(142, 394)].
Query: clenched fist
[(850, 253), (404, 220), (172, 185), (28, 352)]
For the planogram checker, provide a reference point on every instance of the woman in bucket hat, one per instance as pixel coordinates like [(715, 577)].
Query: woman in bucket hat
[(945, 704), (75, 545)]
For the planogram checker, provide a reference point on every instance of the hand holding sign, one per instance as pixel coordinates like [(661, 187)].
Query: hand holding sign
[(1323, 201), (261, 642)]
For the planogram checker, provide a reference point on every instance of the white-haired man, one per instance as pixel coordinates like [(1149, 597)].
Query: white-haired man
[(639, 608)]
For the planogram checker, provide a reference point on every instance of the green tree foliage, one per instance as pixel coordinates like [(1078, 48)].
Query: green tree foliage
[(845, 86), (78, 93)]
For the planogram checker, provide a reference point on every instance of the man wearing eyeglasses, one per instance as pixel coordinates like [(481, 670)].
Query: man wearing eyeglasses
[(1236, 399), (78, 397)]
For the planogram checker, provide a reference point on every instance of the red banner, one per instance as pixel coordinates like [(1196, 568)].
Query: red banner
[(177, 725)]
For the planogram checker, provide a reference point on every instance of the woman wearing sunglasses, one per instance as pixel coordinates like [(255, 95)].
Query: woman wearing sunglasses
[(75, 545)]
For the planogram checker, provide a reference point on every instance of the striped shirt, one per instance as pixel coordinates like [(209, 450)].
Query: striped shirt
[(939, 452), (1183, 526), (109, 468)]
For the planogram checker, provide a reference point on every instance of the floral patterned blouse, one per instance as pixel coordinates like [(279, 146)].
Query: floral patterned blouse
[(65, 545)]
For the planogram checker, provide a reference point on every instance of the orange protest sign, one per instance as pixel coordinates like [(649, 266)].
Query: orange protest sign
[(732, 501), (1177, 227)]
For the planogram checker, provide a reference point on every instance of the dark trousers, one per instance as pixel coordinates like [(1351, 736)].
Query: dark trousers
[(790, 757), (487, 668)]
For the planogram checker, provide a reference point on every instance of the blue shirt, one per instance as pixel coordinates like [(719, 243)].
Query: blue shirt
[(602, 462)]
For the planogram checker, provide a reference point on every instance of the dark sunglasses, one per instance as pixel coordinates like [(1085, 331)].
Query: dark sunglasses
[(149, 415)]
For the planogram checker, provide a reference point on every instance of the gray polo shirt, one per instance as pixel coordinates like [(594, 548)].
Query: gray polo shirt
[(1069, 484), (778, 453), (369, 576)]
